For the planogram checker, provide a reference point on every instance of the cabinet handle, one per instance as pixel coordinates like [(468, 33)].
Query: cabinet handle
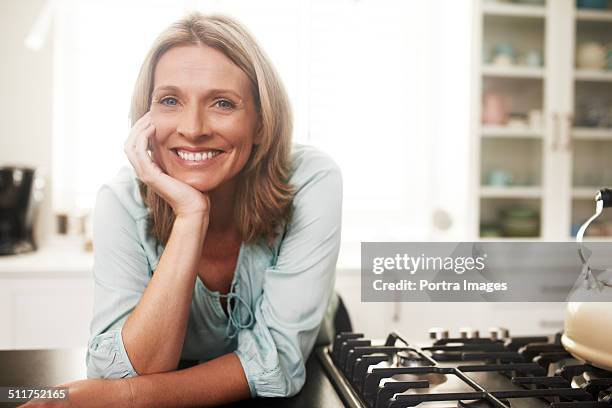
[(569, 120), (555, 132)]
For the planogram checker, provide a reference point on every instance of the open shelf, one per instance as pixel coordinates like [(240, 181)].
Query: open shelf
[(591, 163), (513, 71), (594, 15), (510, 192), (582, 209), (593, 75), (579, 133), (510, 218), (513, 10), (490, 131), (584, 192), (511, 167)]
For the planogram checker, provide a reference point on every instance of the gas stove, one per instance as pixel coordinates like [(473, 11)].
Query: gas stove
[(466, 372)]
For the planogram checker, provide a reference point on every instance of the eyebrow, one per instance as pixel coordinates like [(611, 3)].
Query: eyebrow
[(172, 88)]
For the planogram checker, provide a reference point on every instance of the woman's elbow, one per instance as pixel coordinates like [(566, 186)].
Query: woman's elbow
[(279, 383), (106, 359)]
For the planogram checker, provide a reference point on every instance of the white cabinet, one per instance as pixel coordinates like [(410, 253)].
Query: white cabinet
[(46, 297), (45, 312), (542, 123)]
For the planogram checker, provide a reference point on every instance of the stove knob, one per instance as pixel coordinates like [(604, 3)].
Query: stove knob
[(494, 333), (498, 333), (468, 333), (438, 333)]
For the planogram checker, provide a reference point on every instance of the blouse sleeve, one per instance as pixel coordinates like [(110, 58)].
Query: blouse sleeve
[(296, 290), (120, 275)]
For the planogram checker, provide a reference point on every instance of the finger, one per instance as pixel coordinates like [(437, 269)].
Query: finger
[(148, 168), (138, 127), (131, 148), (131, 155), (143, 121)]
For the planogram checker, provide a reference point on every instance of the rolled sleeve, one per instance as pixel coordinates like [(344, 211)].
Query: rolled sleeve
[(107, 358), (297, 290), (121, 274)]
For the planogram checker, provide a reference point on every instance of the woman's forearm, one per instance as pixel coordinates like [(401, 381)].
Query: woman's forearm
[(216, 382), (154, 332)]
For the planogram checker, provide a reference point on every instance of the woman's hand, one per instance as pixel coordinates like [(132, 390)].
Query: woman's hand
[(184, 199), (91, 394)]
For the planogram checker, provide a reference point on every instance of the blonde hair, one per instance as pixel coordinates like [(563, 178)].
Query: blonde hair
[(264, 195)]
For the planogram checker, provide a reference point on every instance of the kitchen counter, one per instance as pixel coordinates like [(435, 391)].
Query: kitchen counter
[(60, 257), (52, 367), (65, 257)]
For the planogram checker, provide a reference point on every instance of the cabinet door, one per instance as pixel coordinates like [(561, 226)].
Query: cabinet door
[(48, 313), (6, 318), (558, 106)]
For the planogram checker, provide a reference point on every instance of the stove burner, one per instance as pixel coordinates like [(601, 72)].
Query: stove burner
[(432, 379), (468, 372), (479, 403)]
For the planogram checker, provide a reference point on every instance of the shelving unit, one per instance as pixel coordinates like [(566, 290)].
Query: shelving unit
[(592, 141), (511, 132), (513, 10), (510, 192), (594, 15), (512, 71), (509, 164), (584, 193), (591, 134), (551, 168), (593, 75)]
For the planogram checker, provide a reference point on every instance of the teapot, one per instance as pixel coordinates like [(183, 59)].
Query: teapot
[(588, 324)]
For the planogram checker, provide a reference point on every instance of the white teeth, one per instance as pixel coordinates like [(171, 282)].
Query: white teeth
[(200, 156)]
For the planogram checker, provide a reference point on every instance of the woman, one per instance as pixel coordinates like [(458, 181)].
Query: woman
[(224, 251)]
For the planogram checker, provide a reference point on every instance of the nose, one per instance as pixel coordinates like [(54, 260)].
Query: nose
[(192, 123)]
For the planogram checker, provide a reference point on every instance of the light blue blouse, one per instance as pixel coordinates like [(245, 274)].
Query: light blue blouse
[(282, 293)]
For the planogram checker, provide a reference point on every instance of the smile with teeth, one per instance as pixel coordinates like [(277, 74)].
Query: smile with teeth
[(197, 157)]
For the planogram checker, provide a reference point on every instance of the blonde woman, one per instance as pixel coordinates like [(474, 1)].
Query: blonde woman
[(220, 246)]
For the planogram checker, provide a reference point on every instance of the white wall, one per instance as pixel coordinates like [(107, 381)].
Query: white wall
[(26, 89)]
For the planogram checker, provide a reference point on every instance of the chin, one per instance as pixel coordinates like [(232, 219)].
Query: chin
[(200, 185)]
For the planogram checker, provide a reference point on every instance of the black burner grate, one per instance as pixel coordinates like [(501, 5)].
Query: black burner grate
[(370, 375)]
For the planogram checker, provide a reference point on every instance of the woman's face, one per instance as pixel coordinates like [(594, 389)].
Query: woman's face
[(204, 115)]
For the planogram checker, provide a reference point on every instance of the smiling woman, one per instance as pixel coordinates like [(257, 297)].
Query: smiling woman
[(220, 246)]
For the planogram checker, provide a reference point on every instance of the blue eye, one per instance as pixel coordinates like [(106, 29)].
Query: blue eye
[(224, 104), (169, 101)]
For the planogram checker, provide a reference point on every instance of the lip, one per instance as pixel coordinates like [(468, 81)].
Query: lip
[(197, 149), (198, 164)]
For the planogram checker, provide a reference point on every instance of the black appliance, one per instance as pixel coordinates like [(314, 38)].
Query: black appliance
[(20, 195), (466, 372)]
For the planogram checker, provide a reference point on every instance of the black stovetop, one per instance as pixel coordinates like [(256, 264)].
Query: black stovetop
[(512, 372)]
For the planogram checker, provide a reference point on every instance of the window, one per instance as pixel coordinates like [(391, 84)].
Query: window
[(383, 86)]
